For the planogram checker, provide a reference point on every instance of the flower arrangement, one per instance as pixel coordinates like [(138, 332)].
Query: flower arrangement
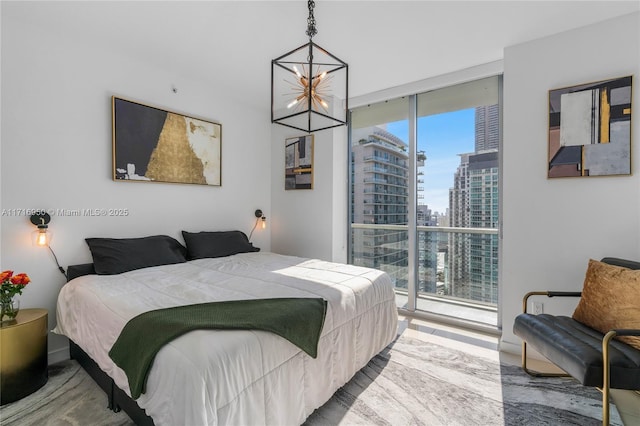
[(10, 285)]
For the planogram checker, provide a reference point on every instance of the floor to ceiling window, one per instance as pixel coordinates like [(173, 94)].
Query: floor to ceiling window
[(425, 197)]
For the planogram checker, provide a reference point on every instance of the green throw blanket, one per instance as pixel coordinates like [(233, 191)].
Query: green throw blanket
[(299, 320)]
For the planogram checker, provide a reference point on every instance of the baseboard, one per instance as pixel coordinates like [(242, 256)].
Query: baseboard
[(58, 355), (516, 349), (510, 348)]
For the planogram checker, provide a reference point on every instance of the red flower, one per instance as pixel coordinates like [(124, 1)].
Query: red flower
[(10, 285), (5, 275), (21, 279)]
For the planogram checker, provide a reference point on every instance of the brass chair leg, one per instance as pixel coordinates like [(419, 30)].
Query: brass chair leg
[(536, 373), (605, 406), (606, 376)]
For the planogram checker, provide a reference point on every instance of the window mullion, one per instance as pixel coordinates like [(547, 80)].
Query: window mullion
[(412, 272)]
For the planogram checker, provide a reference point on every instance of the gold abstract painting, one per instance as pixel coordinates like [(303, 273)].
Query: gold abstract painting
[(590, 129), (151, 144)]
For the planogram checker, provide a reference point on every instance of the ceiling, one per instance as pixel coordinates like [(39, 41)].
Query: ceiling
[(386, 43)]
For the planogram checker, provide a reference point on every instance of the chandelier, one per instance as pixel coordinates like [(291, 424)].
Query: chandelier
[(309, 86)]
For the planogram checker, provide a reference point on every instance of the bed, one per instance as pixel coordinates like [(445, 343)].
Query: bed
[(210, 377)]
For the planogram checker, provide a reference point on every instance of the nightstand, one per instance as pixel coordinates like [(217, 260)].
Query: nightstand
[(23, 355)]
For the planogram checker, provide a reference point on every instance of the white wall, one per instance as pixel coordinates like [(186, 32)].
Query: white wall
[(56, 154), (552, 227), (311, 223)]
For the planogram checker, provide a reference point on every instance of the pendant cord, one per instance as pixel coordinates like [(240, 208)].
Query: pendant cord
[(311, 21)]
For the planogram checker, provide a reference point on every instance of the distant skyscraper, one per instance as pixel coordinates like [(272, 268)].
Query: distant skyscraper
[(487, 128)]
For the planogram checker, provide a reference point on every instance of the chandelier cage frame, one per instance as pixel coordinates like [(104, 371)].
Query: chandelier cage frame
[(312, 91)]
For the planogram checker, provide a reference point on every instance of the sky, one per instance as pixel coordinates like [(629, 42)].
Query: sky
[(442, 137)]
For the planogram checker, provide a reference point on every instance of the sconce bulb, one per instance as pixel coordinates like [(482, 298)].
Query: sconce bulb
[(264, 222), (41, 237)]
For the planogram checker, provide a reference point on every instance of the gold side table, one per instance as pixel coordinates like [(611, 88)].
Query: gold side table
[(23, 355)]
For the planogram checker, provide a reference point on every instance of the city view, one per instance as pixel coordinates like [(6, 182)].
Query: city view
[(456, 184)]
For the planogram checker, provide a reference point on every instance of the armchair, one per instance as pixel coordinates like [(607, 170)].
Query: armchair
[(590, 356)]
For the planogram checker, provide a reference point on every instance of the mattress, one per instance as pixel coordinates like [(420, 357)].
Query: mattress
[(210, 377)]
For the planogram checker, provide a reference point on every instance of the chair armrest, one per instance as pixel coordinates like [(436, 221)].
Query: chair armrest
[(564, 293), (626, 332), (548, 294), (608, 337)]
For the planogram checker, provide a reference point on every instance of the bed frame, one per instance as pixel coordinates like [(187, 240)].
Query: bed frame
[(117, 398)]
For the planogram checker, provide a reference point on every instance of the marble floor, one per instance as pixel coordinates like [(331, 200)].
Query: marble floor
[(486, 344)]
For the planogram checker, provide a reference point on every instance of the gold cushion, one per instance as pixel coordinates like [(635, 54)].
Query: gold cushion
[(610, 300)]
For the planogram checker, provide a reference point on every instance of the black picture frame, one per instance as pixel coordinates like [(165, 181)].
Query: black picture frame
[(151, 144)]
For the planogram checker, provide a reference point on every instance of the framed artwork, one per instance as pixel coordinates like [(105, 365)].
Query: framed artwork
[(590, 129), (151, 144), (298, 167)]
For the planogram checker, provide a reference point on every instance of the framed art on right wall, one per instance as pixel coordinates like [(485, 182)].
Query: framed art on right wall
[(590, 129)]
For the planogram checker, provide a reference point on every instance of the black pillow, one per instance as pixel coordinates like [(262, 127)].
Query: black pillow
[(118, 255), (201, 245)]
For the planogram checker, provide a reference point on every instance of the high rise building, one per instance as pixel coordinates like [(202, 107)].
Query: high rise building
[(459, 218), (380, 196), (473, 203), (487, 129), (483, 207)]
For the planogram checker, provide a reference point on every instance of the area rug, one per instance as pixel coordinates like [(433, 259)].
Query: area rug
[(411, 382), (70, 398)]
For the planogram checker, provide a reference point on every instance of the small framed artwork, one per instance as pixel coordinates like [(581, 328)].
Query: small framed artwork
[(298, 168), (154, 145), (590, 129)]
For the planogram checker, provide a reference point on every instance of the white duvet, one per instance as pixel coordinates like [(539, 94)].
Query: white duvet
[(235, 377)]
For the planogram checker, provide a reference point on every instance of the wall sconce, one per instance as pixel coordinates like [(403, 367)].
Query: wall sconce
[(42, 236), (259, 217)]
